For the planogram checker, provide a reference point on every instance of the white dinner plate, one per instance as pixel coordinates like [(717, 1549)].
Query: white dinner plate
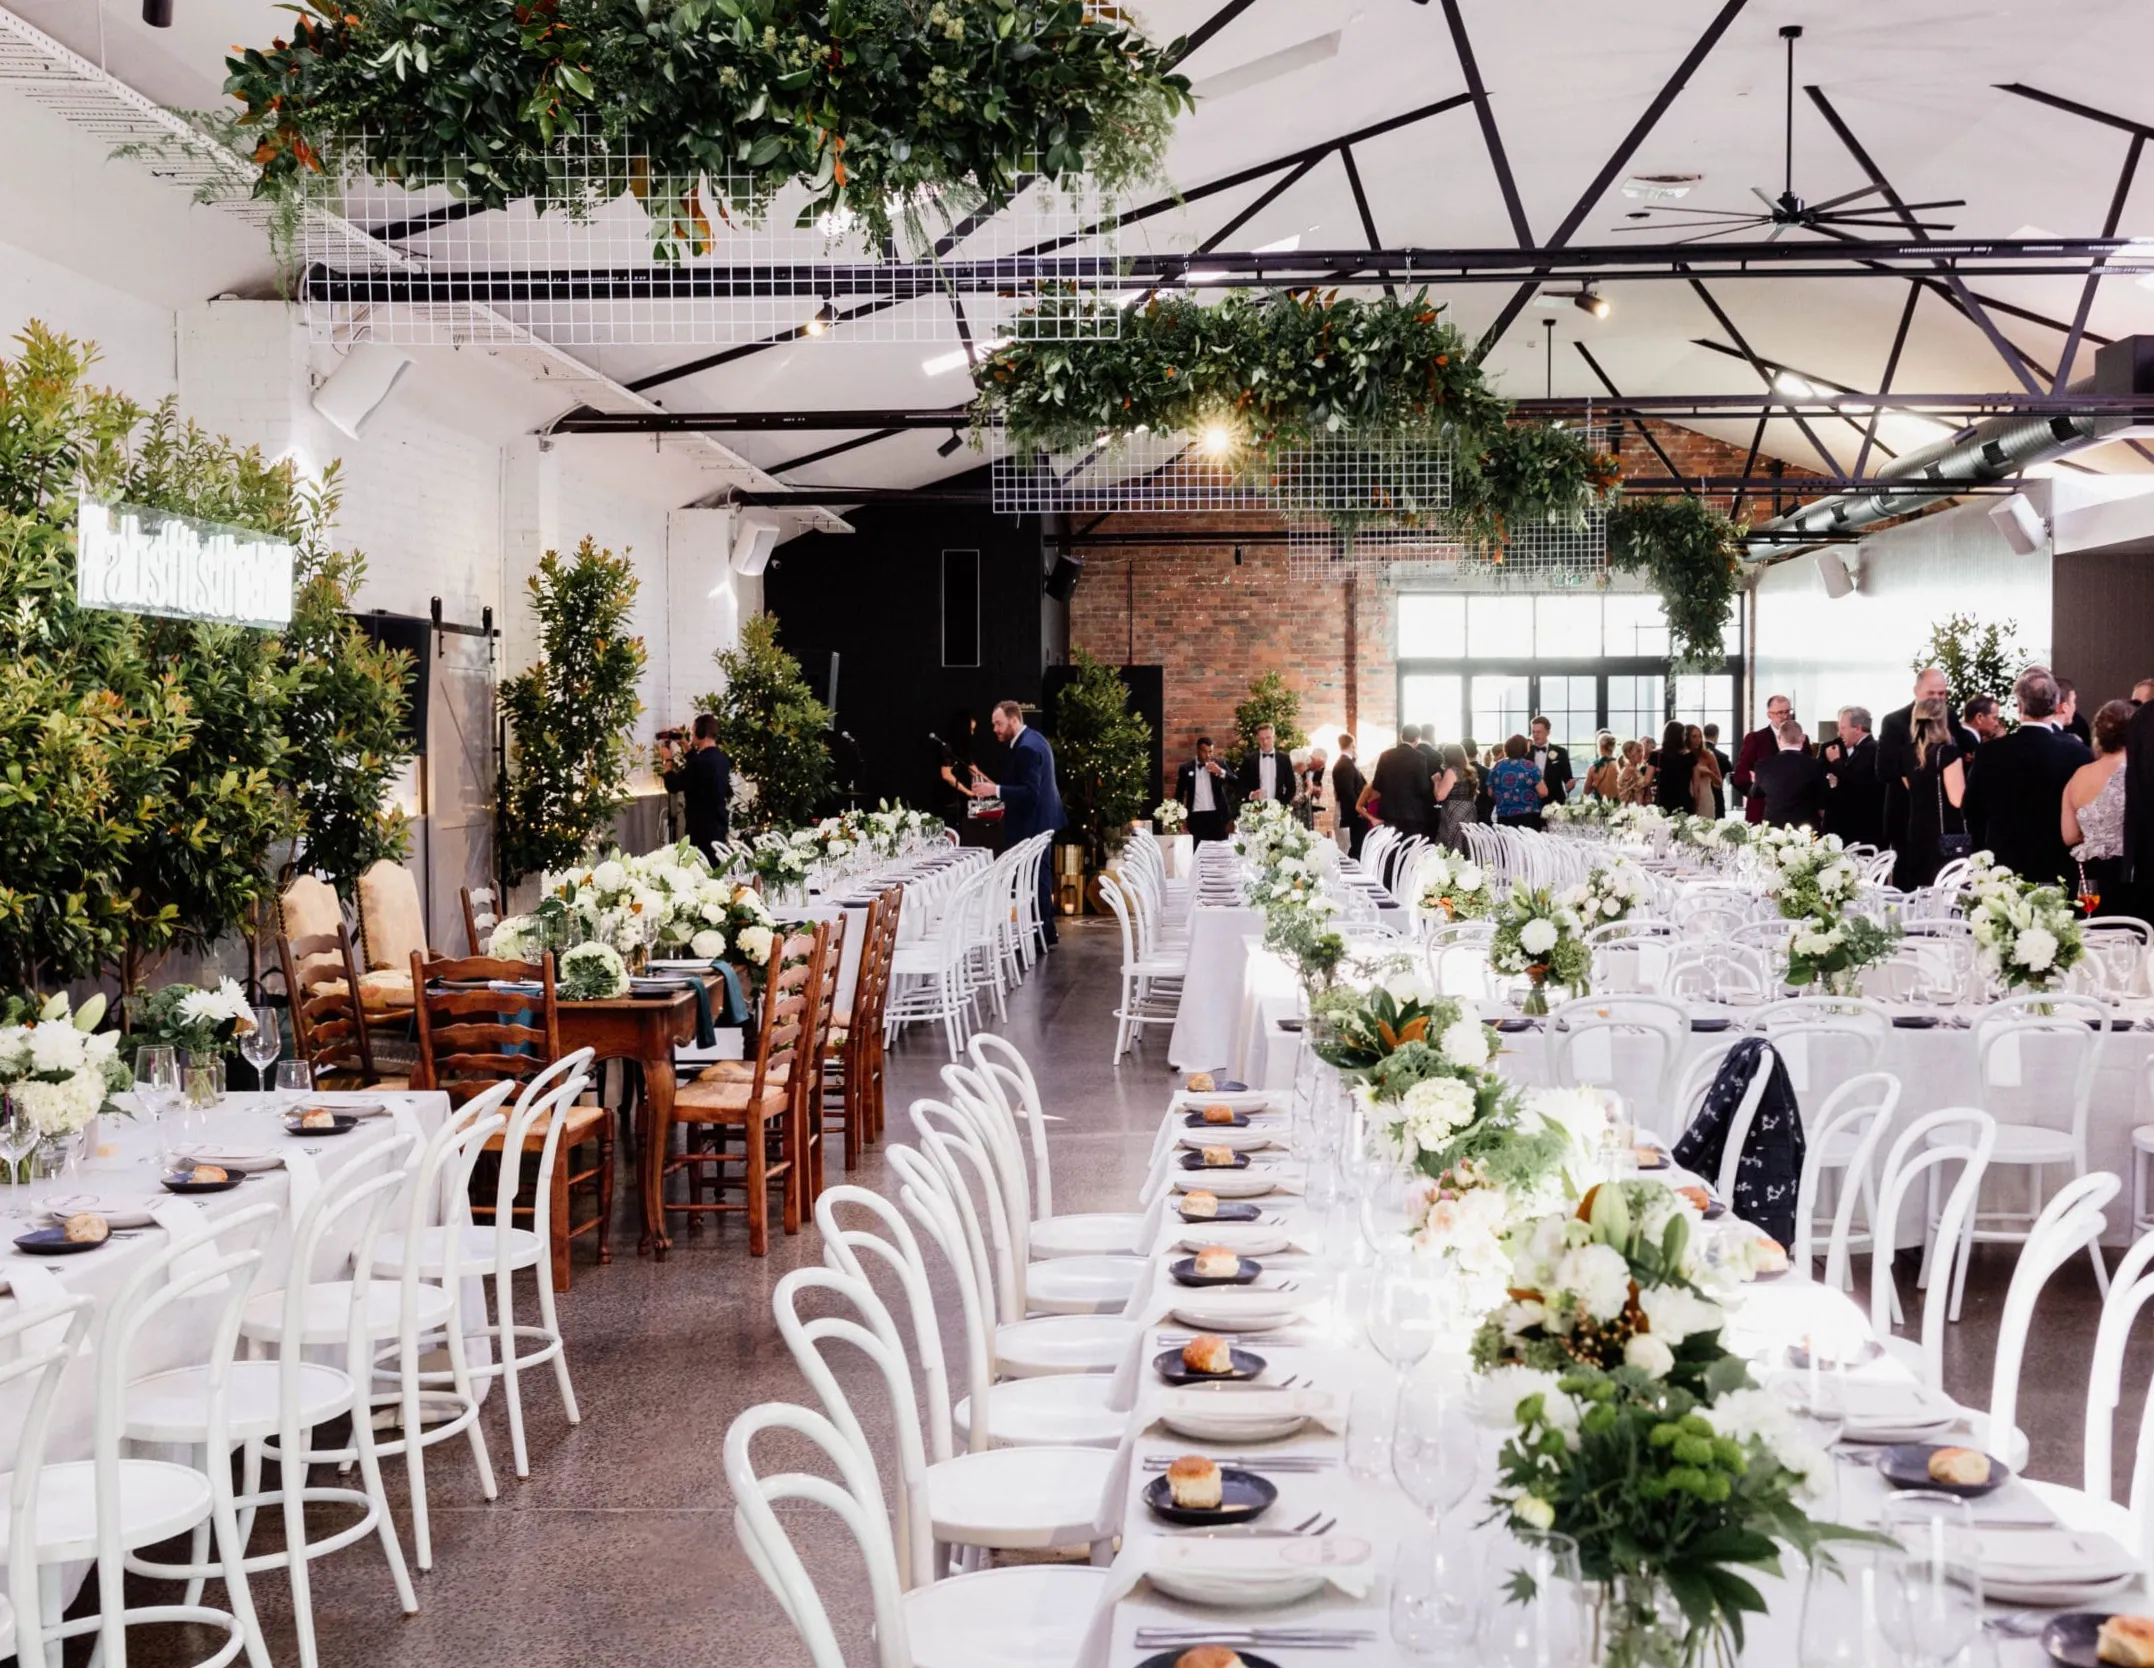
[(238, 1158), (2053, 1598), (1254, 1574), (1242, 1100), (118, 1213), (1225, 1184), (1244, 1239), (1226, 1135), (1237, 1309)]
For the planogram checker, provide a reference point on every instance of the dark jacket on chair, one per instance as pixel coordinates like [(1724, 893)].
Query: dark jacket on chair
[(1405, 792), (1769, 1173)]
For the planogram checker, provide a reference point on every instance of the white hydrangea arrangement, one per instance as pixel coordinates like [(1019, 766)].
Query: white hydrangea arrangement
[(1169, 816), (591, 972), (668, 900), (2026, 936), (1541, 936), (1607, 895), (58, 1067), (1449, 887)]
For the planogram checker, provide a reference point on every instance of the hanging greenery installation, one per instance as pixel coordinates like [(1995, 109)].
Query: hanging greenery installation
[(1693, 556), (709, 107)]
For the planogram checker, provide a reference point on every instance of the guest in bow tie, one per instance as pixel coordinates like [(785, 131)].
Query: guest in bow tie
[(1553, 761), (1266, 772), (1202, 787)]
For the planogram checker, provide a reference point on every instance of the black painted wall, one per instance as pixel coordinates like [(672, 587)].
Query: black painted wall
[(874, 597)]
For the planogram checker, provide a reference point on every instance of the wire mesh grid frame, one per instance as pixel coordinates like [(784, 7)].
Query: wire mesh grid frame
[(619, 255), (1401, 480)]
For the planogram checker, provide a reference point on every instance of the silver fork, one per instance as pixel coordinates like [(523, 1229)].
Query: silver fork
[(2017, 1624)]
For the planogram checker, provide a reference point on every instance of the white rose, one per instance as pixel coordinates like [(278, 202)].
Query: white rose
[(609, 876), (101, 1047), (1464, 1043), (1581, 1112), (1676, 1314), (1409, 987), (1538, 936), (55, 1045), (1649, 1354), (2036, 950), (1598, 1276), (755, 943), (709, 945), (1813, 943), (1466, 878)]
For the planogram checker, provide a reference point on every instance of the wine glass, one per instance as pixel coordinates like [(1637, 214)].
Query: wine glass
[(1538, 1617), (261, 1046), (18, 1140), (1840, 1603), (1402, 1313), (295, 1078), (1929, 1589), (1435, 1449)]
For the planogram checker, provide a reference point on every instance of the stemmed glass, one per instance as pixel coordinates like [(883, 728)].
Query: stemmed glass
[(295, 1078), (1435, 1449), (1402, 1313), (158, 1090), (261, 1046), (18, 1140), (1541, 1620), (1929, 1599), (1840, 1606)]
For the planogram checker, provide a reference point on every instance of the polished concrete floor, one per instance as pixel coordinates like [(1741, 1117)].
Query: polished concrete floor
[(619, 1549)]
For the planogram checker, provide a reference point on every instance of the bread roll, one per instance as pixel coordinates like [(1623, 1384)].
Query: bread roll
[(2128, 1640), (1217, 1114), (86, 1228), (1197, 1202), (1206, 1354), (1769, 1256), (207, 1173), (319, 1118), (1216, 1262), (1968, 1467), (1217, 1158), (1208, 1656), (1200, 1083), (1194, 1483)]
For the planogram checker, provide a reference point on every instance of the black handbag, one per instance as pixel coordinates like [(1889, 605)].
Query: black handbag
[(1951, 847)]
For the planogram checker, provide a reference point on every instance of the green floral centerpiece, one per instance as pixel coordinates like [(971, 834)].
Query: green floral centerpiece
[(1541, 937), (1809, 879), (2026, 935), (1449, 888), (56, 1066), (1834, 951), (667, 900), (207, 1023), (591, 972), (1607, 894), (1169, 816)]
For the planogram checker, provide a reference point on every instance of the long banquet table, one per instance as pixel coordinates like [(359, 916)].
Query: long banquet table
[(1328, 1351)]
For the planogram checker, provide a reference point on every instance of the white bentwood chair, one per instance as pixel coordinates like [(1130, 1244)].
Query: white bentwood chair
[(35, 1347), (1921, 1149)]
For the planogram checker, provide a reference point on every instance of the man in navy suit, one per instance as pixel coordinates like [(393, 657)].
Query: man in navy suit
[(1032, 803)]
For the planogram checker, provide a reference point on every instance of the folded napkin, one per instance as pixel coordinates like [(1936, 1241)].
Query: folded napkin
[(1259, 1404), (180, 1219), (306, 1180), (36, 1287), (2043, 1556)]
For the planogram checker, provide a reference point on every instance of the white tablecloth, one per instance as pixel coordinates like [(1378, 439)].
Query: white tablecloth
[(1177, 854), (852, 902), (1207, 1020)]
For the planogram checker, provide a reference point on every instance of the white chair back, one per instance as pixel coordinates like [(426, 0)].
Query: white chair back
[(2058, 1023), (900, 1254), (2130, 1288), (1823, 1040), (1000, 1061), (36, 1346), (1908, 1159), (1599, 1022), (1844, 1135), (2069, 1223)]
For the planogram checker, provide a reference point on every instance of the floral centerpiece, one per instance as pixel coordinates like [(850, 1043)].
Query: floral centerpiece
[(1638, 1434), (1541, 937), (1812, 880), (782, 861), (668, 900), (206, 1023), (2026, 935), (1833, 952), (893, 830), (1711, 835), (1581, 813), (56, 1066), (591, 972), (1170, 816), (1607, 895), (1638, 821), (1449, 887)]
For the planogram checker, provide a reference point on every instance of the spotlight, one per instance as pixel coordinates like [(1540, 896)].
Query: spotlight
[(2024, 530), (1237, 555), (1589, 300), (825, 316), (157, 13), (956, 440), (1218, 440)]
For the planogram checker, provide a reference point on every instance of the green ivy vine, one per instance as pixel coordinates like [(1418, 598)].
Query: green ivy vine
[(1693, 556)]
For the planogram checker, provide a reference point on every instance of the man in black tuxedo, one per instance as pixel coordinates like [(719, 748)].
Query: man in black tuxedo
[(2070, 719), (1554, 762), (1791, 782), (1202, 787), (1727, 769), (1266, 772), (1896, 752), (2139, 802), (1980, 717), (1854, 792), (1346, 785), (1405, 791), (2015, 785)]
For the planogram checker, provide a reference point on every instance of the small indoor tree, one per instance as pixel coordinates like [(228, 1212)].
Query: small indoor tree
[(1977, 659), (771, 726), (1103, 758), (571, 714), (1272, 700)]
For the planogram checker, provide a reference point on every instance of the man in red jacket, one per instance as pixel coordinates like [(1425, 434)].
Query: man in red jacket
[(1758, 746)]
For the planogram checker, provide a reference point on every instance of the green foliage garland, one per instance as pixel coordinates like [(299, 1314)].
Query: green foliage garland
[(1271, 701), (771, 726), (1693, 555), (877, 105), (1103, 757), (1976, 658), (570, 714)]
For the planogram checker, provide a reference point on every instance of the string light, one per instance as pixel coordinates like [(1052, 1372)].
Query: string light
[(1218, 440)]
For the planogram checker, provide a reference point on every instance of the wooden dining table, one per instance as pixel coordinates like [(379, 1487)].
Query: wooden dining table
[(646, 1030)]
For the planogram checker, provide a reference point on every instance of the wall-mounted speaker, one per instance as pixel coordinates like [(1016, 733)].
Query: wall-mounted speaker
[(1063, 576), (359, 387), (2022, 526), (753, 542), (1834, 573)]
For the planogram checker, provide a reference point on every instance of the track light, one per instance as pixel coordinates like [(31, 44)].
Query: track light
[(1590, 300), (157, 13), (1834, 573), (825, 316), (956, 440)]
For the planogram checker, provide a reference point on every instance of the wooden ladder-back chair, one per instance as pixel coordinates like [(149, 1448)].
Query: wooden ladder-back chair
[(815, 1064), (479, 918), (329, 1024), (853, 1057), (761, 1106)]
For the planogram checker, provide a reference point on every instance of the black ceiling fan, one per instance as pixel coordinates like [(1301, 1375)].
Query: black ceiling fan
[(1845, 216)]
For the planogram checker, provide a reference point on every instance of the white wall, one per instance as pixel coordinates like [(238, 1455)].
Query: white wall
[(1858, 651)]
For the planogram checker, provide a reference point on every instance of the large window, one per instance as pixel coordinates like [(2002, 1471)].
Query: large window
[(1483, 664)]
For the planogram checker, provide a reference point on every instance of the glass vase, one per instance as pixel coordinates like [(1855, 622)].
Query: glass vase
[(1536, 1001), (202, 1080), (1638, 1624)]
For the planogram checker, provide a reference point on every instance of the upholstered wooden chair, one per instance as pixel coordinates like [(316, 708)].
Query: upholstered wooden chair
[(392, 932), (807, 1084), (472, 1036), (329, 1027), (764, 1107)]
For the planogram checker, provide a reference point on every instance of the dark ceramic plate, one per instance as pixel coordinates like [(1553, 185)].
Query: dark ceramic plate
[(175, 1182), (53, 1242), (1195, 1120), (1195, 1161), (1712, 1023), (1715, 1209), (1167, 1659), (1290, 1025), (1515, 1024), (1914, 1022), (1184, 1270), (1907, 1465), (1230, 1210), (341, 1123), (1170, 1366), (1243, 1496), (2069, 1638)]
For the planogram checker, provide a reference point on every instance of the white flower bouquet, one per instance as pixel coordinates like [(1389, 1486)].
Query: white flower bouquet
[(589, 972), (1448, 887), (57, 1066), (1169, 816), (1833, 950), (2027, 936), (1811, 879), (1607, 895), (204, 1022), (1542, 937)]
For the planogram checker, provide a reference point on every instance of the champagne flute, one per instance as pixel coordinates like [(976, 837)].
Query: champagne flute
[(1929, 1587), (1435, 1449), (261, 1046), (1840, 1627)]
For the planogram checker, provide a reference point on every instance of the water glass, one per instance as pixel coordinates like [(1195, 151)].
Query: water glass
[(1840, 1612), (1435, 1449), (295, 1078), (1539, 1621), (261, 1046), (1369, 1417), (19, 1137), (1929, 1587), (1435, 1591), (1402, 1311)]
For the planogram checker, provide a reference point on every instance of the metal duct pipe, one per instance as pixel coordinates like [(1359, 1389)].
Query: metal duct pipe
[(1993, 450)]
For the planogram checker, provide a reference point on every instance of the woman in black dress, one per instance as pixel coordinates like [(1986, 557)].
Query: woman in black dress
[(1672, 769), (1935, 787)]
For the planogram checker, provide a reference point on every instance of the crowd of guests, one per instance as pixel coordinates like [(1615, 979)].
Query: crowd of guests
[(2049, 793)]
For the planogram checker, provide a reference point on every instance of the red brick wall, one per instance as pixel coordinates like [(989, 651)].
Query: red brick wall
[(1215, 625)]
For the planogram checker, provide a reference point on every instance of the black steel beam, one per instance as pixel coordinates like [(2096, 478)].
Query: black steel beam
[(1607, 382), (1361, 206), (1824, 384), (1211, 26), (1617, 162), (1892, 367), (2107, 118), (843, 446), (2117, 200), (1764, 375), (1490, 136)]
